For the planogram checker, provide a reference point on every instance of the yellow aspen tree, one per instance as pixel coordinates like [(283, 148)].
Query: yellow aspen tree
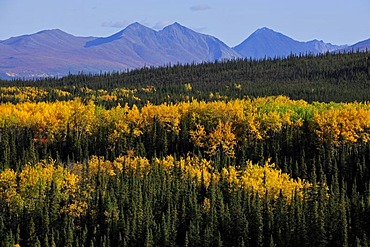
[(198, 136), (223, 138)]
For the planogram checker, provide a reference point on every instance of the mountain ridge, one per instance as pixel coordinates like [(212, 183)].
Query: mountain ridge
[(54, 52), (265, 42)]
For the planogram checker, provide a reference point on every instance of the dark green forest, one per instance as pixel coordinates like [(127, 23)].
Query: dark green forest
[(327, 77), (162, 156)]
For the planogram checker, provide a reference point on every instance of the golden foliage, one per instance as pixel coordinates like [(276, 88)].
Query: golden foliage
[(210, 122), (254, 178), (188, 87), (223, 138), (264, 179), (22, 94), (73, 185), (8, 189), (31, 185), (348, 123), (267, 179), (198, 136)]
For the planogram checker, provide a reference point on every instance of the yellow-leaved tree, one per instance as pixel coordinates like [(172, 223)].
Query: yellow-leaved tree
[(198, 136), (29, 187), (222, 139), (264, 179)]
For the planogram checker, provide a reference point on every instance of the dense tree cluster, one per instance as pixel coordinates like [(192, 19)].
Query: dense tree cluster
[(116, 199), (327, 77), (190, 156)]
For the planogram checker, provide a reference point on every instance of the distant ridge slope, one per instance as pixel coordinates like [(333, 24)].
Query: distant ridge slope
[(175, 43), (360, 46), (180, 41), (57, 53), (266, 42)]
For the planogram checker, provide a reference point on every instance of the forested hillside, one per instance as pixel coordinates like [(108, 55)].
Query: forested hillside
[(329, 77), (196, 155)]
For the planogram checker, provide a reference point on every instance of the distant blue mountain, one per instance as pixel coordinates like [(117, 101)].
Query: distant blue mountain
[(360, 46), (56, 53), (182, 42), (267, 43), (174, 44)]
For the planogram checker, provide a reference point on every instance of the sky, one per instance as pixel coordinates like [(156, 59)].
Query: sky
[(232, 21)]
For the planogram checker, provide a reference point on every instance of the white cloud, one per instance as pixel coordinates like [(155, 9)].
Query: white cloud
[(116, 24), (160, 25), (200, 7)]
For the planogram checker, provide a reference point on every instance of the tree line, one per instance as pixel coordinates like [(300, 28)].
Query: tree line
[(325, 77), (186, 174), (190, 155)]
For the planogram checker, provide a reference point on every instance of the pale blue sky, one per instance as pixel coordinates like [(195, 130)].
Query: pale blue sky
[(334, 21)]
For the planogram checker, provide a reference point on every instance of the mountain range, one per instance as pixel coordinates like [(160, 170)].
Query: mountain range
[(56, 53)]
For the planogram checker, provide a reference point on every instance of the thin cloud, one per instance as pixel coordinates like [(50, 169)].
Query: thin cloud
[(200, 29), (200, 7), (115, 24), (160, 25)]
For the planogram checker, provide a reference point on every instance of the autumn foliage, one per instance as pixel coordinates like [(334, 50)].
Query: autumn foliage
[(190, 173), (213, 125)]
